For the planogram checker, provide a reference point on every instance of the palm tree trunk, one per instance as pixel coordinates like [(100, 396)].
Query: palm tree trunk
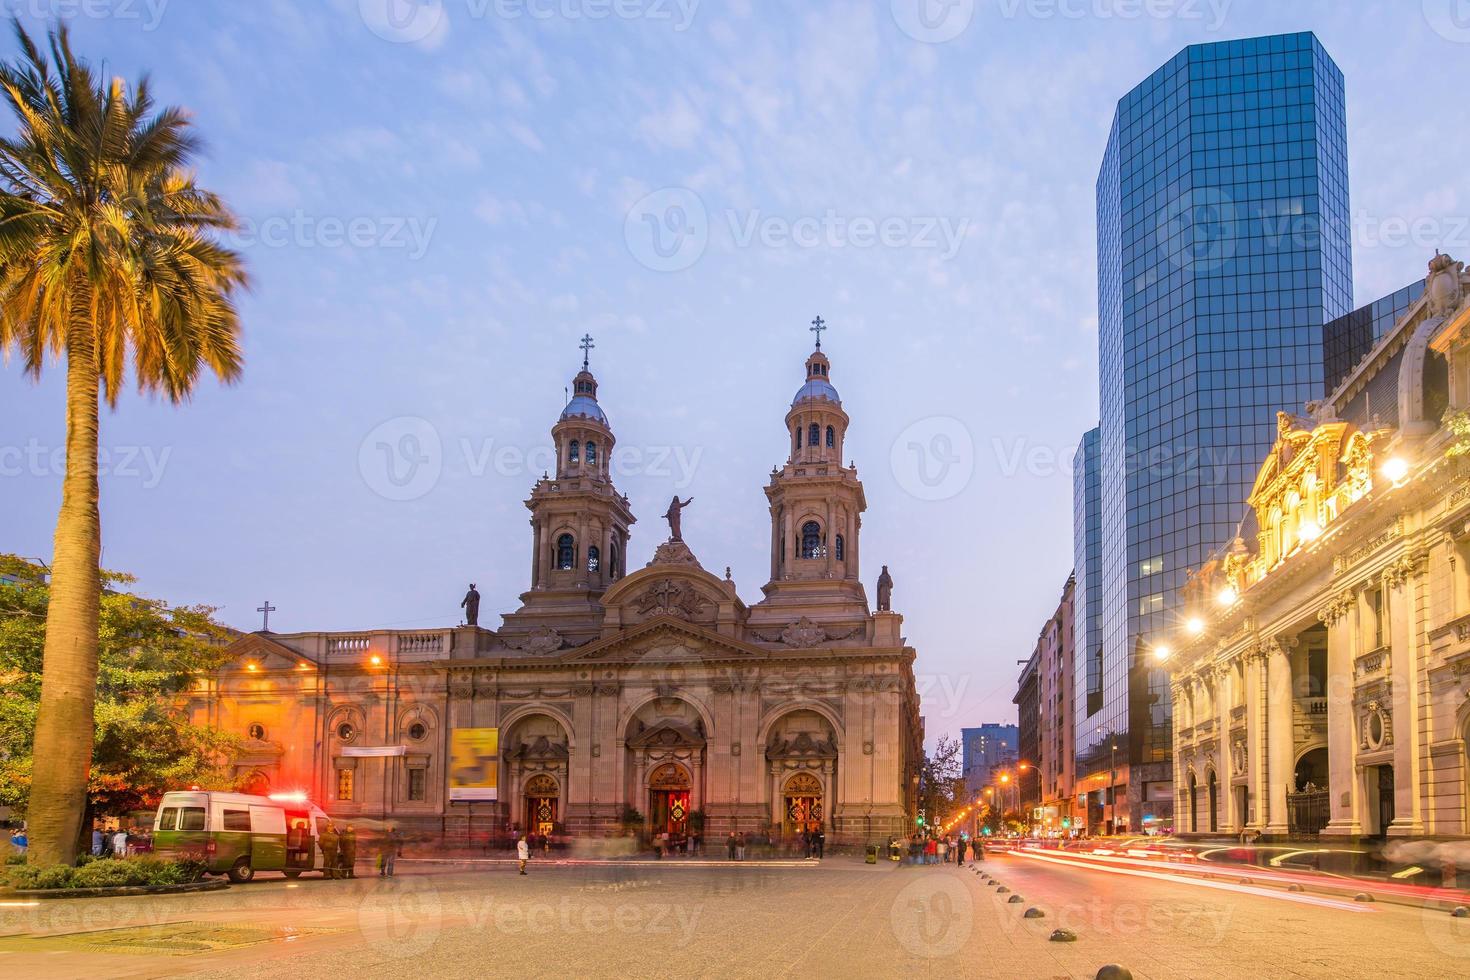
[(64, 723)]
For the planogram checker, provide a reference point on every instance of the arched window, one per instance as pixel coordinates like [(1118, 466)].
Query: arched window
[(831, 437), (798, 437), (612, 555), (573, 451), (591, 451), (566, 552), (811, 540), (840, 550), (814, 435), (594, 556)]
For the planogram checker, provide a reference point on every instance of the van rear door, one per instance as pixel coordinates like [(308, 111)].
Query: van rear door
[(267, 838)]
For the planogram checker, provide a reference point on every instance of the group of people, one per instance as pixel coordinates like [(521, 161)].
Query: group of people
[(940, 850), (685, 844), (814, 843), (339, 851), (118, 844)]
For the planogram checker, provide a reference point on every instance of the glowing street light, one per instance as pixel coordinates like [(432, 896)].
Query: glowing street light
[(1161, 652), (1227, 596), (1396, 468), (1196, 626), (1310, 531)]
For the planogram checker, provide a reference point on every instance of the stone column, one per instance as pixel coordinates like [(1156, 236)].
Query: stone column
[(1181, 792), (543, 559), (1344, 807), (1223, 702), (1255, 739), (1280, 737), (775, 543), (831, 529), (535, 553), (1403, 586)]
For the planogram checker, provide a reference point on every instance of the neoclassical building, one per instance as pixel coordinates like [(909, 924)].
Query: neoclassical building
[(608, 691), (1321, 677)]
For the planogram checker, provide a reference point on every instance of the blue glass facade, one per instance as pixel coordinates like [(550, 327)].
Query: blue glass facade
[(1087, 596), (1223, 249), (1348, 339)]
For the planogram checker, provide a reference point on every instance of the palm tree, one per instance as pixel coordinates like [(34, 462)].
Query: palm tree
[(107, 254)]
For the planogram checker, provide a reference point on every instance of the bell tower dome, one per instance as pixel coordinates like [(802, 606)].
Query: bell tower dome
[(579, 521), (816, 504)]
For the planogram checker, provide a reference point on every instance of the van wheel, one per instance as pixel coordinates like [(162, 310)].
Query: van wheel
[(242, 872), (293, 875)]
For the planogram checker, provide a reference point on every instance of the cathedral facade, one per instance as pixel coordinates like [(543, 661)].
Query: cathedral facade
[(611, 700)]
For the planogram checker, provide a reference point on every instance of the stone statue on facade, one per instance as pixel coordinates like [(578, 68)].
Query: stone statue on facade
[(672, 516), (885, 591), (471, 606)]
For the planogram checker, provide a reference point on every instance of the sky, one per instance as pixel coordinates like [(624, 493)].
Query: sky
[(440, 197)]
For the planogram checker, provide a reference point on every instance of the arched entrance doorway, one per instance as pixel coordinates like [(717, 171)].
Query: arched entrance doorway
[(1214, 802), (669, 787), (802, 796), (542, 802), (1193, 804)]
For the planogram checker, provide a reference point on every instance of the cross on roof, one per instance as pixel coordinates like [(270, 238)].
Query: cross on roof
[(818, 325), (267, 609), (587, 346)]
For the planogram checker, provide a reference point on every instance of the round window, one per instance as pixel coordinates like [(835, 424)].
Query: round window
[(256, 732), (345, 731), (1375, 729), (417, 731)]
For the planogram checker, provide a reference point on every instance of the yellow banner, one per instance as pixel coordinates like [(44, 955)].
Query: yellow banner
[(474, 764)]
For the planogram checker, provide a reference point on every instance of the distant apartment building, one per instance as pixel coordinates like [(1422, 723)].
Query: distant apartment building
[(1021, 788), (985, 750), (1055, 763)]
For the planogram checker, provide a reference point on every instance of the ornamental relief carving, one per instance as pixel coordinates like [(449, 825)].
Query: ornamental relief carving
[(1404, 568), (667, 597), (1336, 608), (1376, 727)]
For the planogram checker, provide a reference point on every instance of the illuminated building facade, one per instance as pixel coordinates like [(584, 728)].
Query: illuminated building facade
[(654, 699), (1321, 676)]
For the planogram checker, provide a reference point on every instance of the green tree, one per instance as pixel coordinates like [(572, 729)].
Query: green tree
[(108, 253), (148, 655), (939, 780)]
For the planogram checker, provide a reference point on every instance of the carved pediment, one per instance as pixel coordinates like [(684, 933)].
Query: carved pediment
[(668, 734), (804, 745), (541, 749)]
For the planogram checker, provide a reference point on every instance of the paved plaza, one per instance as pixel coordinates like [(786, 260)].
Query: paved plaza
[(644, 919)]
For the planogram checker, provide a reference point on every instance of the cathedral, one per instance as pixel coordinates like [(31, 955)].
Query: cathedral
[(613, 701)]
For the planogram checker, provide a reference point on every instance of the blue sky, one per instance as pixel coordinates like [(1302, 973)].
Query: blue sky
[(442, 197)]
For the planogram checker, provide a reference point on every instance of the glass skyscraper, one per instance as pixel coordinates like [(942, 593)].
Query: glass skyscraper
[(1223, 249), (1349, 338)]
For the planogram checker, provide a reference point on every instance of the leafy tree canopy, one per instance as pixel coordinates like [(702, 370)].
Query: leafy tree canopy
[(148, 654)]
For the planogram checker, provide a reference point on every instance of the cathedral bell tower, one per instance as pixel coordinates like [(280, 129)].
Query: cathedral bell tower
[(816, 505), (579, 520)]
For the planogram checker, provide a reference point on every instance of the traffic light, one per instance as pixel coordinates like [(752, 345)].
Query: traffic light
[(920, 820), (1066, 823)]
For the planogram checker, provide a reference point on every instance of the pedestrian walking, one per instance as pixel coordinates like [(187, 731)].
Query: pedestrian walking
[(389, 849), (331, 851), (348, 848), (941, 851), (959, 853), (96, 842), (930, 849), (523, 853), (821, 843), (120, 843), (730, 846), (19, 841)]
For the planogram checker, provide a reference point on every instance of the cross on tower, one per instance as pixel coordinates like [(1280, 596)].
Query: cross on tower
[(818, 325), (587, 346), (267, 609)]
